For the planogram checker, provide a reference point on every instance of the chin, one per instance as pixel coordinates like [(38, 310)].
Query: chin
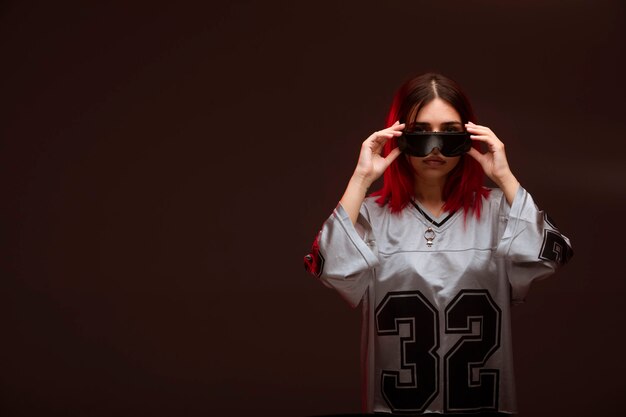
[(433, 175)]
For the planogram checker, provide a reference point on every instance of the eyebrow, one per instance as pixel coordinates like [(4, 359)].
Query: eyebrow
[(444, 124), (428, 124)]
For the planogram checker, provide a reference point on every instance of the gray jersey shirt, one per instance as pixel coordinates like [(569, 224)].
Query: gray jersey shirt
[(436, 320)]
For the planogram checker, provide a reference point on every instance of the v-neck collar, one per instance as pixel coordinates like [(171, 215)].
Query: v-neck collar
[(437, 222)]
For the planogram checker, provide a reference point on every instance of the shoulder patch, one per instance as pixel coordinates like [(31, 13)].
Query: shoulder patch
[(555, 248)]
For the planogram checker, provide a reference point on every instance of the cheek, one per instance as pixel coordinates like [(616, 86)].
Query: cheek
[(413, 161), (453, 162)]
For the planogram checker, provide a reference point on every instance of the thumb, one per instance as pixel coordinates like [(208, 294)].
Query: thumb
[(395, 152)]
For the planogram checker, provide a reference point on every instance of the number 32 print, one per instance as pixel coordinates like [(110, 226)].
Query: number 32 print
[(467, 384)]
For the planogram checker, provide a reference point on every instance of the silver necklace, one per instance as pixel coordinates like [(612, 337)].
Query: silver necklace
[(430, 235)]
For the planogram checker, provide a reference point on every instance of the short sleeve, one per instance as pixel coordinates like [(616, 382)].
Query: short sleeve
[(531, 247), (343, 256)]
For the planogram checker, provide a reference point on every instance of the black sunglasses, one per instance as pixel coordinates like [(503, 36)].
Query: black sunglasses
[(422, 143)]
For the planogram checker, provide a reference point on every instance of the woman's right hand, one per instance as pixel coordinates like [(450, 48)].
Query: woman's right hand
[(370, 167), (371, 163)]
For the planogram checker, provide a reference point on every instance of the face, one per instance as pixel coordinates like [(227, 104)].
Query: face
[(436, 116)]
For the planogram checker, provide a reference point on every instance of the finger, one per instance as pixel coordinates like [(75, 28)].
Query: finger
[(379, 140), (488, 139), (395, 152), (393, 132), (492, 143), (481, 138), (476, 128), (469, 122), (381, 135), (396, 127)]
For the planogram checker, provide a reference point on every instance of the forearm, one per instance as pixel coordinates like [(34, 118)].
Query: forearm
[(353, 197), (369, 168)]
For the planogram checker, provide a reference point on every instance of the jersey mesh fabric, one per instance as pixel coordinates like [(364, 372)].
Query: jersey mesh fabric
[(436, 320)]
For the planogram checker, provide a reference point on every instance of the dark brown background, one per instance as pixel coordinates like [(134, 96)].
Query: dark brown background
[(165, 168)]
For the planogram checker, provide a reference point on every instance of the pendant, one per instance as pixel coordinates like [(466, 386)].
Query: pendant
[(429, 235)]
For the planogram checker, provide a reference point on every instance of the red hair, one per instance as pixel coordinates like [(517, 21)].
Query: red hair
[(464, 185)]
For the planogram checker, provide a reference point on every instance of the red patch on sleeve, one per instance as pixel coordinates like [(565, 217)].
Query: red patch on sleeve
[(314, 261)]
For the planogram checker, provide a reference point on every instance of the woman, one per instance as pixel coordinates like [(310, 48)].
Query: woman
[(435, 258)]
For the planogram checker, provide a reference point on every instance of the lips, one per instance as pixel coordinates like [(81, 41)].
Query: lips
[(434, 161)]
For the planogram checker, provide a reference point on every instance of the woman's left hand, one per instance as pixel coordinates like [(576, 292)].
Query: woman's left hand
[(494, 161)]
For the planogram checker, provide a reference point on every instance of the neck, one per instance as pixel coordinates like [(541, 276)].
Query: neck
[(429, 192)]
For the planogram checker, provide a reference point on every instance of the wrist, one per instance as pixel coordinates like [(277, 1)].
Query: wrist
[(506, 180), (354, 195), (509, 186), (360, 183)]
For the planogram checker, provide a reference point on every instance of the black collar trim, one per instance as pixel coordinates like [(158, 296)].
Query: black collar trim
[(427, 217)]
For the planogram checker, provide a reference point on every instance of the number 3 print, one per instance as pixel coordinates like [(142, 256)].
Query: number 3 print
[(468, 386)]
